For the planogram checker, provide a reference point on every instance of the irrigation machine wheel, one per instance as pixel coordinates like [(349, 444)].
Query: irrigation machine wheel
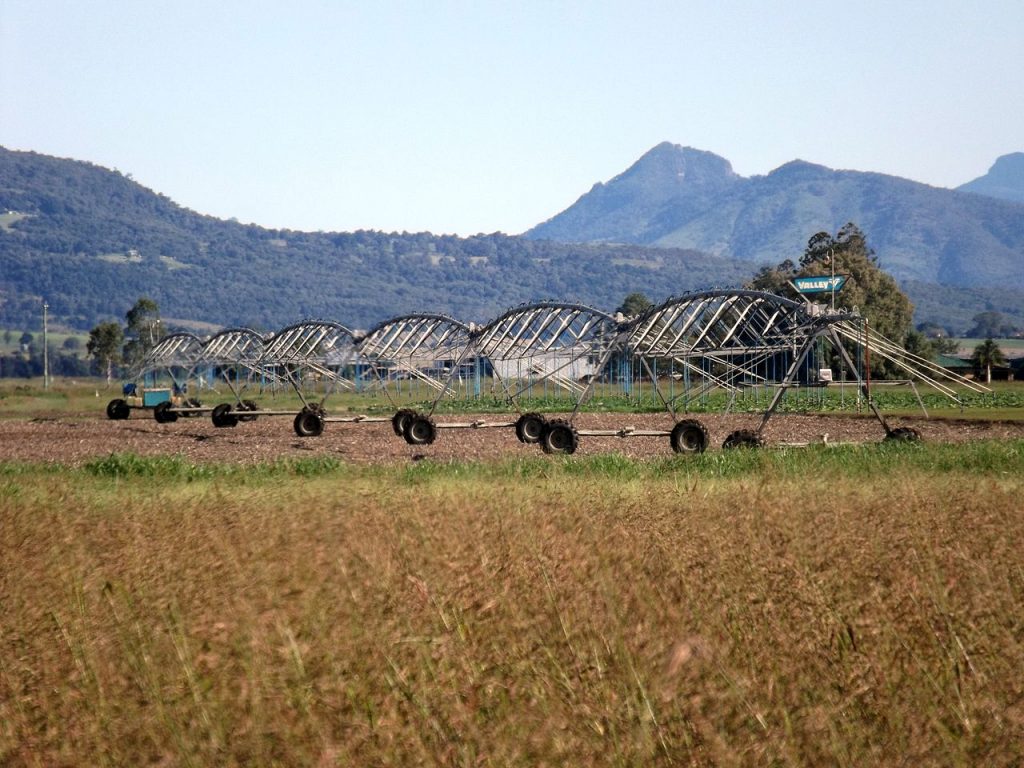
[(560, 437), (743, 438), (163, 413), (308, 423), (223, 417), (420, 430), (118, 409), (689, 436), (247, 405), (401, 420), (530, 428), (903, 435)]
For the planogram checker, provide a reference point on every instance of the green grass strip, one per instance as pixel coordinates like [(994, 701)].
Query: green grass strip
[(867, 460)]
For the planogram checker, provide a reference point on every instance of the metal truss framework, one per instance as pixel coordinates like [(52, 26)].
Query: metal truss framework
[(421, 347), (178, 350), (234, 355), (241, 347), (546, 342), (721, 339)]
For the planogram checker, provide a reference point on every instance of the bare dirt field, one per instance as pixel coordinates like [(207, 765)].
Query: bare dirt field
[(76, 439)]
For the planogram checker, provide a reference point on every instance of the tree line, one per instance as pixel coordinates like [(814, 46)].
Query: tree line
[(868, 290)]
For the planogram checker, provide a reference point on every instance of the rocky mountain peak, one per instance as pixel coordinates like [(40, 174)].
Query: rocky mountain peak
[(673, 165), (1004, 180)]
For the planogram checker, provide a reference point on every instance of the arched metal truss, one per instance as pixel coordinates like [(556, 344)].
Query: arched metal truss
[(732, 340), (235, 346), (320, 347), (523, 350), (317, 357), (423, 348), (176, 352), (547, 342), (726, 339), (722, 325), (235, 356), (174, 356)]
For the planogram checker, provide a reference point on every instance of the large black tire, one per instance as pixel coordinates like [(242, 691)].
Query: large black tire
[(420, 430), (560, 437), (163, 413), (530, 428), (223, 417), (743, 438), (247, 405), (401, 420), (689, 436), (903, 435), (118, 409), (308, 423)]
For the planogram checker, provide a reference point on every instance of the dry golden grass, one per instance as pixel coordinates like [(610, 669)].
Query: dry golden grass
[(536, 613)]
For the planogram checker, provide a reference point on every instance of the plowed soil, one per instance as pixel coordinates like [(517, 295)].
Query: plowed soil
[(76, 439)]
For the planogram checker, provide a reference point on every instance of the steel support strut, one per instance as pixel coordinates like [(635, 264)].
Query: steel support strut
[(865, 390), (798, 360)]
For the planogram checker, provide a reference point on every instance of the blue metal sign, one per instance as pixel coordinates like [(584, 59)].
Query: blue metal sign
[(819, 284)]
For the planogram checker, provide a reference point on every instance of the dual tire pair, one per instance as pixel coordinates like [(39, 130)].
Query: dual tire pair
[(691, 436), (224, 415), (555, 436), (415, 428), (221, 416)]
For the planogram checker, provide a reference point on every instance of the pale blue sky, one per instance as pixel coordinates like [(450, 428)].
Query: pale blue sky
[(466, 117)]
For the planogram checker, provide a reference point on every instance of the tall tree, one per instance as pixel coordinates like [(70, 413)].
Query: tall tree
[(918, 344), (986, 355), (946, 346), (634, 304), (143, 330), (933, 330), (991, 325), (105, 345), (868, 289), (775, 279)]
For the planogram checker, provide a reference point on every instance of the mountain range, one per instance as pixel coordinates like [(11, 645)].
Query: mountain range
[(1004, 180), (90, 241), (685, 198)]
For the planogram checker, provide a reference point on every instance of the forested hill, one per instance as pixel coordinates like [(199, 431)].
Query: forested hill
[(90, 241), (681, 197)]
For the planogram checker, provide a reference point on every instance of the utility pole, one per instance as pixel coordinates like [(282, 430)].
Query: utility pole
[(46, 350), (832, 262)]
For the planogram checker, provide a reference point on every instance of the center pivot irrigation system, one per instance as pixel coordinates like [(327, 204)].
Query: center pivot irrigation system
[(731, 341)]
